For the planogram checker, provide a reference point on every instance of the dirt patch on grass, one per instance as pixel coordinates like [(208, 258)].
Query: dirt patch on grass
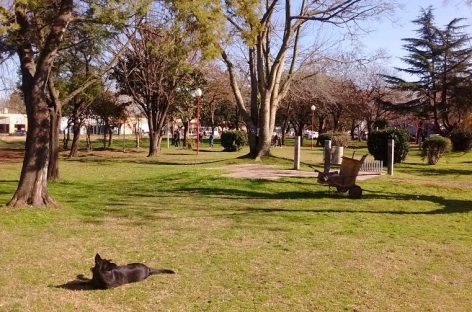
[(11, 155), (264, 172)]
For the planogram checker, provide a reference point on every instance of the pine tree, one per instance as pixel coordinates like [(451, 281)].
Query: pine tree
[(440, 59)]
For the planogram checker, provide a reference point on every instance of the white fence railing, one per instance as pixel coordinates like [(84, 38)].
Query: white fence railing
[(372, 166)]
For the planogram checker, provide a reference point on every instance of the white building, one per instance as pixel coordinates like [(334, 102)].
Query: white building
[(12, 123)]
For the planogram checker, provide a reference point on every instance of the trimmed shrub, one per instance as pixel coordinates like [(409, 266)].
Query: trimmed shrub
[(377, 144), (322, 137), (233, 140), (461, 139), (380, 123), (434, 147), (337, 139), (340, 139)]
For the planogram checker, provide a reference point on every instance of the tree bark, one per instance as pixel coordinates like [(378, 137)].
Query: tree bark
[(75, 140), (56, 114), (32, 187), (105, 133), (53, 167), (66, 139), (186, 128), (265, 129), (110, 136), (153, 143), (88, 140)]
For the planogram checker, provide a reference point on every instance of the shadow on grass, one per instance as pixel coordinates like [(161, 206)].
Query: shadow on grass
[(427, 170), (449, 205), (160, 199), (80, 283), (5, 191), (145, 161)]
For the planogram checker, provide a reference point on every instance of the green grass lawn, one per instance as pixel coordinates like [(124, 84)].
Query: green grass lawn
[(241, 245)]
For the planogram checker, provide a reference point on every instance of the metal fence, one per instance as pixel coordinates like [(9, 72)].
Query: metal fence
[(372, 166)]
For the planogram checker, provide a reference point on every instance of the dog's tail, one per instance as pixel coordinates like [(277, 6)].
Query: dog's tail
[(160, 271)]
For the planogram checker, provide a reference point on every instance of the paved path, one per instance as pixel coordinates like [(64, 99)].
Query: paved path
[(265, 172)]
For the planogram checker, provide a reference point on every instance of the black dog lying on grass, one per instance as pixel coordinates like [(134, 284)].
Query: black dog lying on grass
[(107, 274)]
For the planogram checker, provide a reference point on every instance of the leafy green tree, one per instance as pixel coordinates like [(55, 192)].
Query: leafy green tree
[(19, 36), (441, 59), (76, 69), (269, 32), (152, 71), (110, 112), (36, 31)]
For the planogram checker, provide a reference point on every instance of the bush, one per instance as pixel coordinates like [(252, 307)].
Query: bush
[(322, 137), (232, 141), (380, 123), (337, 139), (340, 139), (461, 139), (377, 144), (434, 147)]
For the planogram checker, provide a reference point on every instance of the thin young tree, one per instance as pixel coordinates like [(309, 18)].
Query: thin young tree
[(151, 72), (217, 92)]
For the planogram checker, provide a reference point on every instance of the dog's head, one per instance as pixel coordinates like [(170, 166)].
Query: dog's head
[(102, 265)]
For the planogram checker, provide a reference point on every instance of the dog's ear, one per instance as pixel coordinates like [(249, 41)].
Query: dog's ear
[(98, 259)]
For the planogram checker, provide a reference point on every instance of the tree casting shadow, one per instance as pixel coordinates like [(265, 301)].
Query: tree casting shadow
[(448, 205)]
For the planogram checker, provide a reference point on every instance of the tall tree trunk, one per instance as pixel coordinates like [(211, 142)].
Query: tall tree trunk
[(105, 132), (265, 133), (75, 140), (284, 129), (53, 167), (66, 139), (137, 134), (250, 119), (56, 114), (32, 187), (186, 128), (88, 140), (159, 142), (110, 136), (353, 128), (153, 143)]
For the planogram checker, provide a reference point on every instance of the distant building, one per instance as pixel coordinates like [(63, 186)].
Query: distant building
[(12, 123)]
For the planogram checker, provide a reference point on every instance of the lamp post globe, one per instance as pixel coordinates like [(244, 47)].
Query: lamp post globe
[(313, 108), (198, 93)]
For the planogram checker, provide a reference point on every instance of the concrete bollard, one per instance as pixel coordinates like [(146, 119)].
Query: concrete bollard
[(327, 156), (296, 156), (390, 156)]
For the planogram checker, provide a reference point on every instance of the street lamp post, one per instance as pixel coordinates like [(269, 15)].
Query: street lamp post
[(313, 108), (198, 94)]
